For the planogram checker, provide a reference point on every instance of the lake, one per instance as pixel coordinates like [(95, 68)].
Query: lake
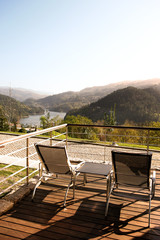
[(34, 120)]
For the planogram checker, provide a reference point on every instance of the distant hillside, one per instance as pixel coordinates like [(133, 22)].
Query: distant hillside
[(14, 109), (137, 105), (63, 102), (20, 94), (66, 101)]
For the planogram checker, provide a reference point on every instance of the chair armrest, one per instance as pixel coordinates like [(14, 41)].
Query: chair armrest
[(75, 165), (74, 162)]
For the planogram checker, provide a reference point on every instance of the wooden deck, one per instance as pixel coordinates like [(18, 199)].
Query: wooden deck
[(83, 218)]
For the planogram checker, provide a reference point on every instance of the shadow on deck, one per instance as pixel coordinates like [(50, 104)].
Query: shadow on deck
[(83, 218)]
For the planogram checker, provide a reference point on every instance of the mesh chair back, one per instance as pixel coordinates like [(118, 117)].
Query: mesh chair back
[(132, 168), (54, 158)]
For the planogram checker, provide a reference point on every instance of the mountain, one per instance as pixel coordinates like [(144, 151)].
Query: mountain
[(21, 94), (133, 104), (63, 102), (67, 101), (14, 109)]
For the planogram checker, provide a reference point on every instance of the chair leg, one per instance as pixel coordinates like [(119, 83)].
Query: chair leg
[(150, 197), (149, 212), (153, 184), (74, 184), (85, 179), (65, 197), (37, 185), (108, 193)]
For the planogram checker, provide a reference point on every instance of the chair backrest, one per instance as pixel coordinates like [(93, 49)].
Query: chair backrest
[(54, 158), (132, 168)]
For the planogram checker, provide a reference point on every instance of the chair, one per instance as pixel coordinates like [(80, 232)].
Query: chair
[(54, 160), (134, 170)]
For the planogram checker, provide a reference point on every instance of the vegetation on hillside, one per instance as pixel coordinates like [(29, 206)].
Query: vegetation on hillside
[(3, 121), (139, 106), (63, 102), (132, 104), (81, 132), (128, 137), (12, 110)]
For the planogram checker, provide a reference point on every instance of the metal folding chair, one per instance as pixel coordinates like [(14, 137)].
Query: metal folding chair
[(54, 160), (134, 170)]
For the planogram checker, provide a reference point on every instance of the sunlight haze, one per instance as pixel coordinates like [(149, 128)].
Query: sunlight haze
[(67, 45)]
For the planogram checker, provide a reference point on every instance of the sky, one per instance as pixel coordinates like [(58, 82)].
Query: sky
[(67, 45)]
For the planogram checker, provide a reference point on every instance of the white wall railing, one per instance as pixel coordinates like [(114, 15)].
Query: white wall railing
[(18, 158)]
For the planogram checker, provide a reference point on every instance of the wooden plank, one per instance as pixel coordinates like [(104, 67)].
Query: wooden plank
[(5, 237), (83, 218)]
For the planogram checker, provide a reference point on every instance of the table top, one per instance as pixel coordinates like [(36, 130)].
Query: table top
[(95, 168)]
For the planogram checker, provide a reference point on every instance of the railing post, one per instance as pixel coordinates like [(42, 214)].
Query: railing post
[(66, 136), (72, 132), (104, 154), (148, 137), (27, 160), (105, 133), (50, 138)]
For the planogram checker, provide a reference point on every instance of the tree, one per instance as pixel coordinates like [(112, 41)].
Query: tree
[(110, 119), (81, 132), (56, 120), (4, 126), (46, 121), (43, 121)]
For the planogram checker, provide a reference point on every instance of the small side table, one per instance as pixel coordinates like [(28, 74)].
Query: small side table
[(101, 169)]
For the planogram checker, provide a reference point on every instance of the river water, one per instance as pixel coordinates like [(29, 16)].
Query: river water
[(34, 120)]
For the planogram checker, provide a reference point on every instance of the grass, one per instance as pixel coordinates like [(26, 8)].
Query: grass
[(129, 145), (133, 145), (9, 171), (4, 173), (54, 134)]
